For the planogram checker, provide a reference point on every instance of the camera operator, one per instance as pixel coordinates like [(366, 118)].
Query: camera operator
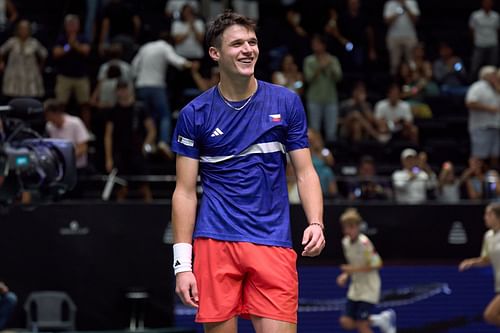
[(61, 125), (8, 301)]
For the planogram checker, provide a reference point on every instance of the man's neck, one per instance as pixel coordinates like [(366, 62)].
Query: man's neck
[(237, 90)]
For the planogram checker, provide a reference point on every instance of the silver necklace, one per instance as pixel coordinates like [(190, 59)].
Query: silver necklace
[(232, 106)]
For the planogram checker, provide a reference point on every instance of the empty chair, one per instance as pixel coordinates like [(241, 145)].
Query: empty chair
[(50, 310)]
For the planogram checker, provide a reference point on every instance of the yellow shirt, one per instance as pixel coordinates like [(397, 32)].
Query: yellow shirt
[(491, 249), (364, 286)]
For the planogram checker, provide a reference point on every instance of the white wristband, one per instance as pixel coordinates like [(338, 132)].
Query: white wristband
[(183, 253)]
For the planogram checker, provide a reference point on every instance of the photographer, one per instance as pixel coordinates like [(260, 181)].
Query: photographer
[(8, 301)]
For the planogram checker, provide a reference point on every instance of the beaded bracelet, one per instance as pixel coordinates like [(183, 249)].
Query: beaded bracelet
[(318, 224)]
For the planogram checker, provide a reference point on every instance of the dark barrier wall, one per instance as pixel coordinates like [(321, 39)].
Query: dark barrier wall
[(96, 252), (408, 233)]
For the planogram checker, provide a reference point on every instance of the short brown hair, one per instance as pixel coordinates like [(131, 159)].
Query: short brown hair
[(351, 216), (217, 27), (53, 105)]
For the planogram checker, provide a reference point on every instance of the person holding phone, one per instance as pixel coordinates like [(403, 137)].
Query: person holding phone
[(412, 182)]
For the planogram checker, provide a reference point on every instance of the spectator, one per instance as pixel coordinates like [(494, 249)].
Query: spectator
[(449, 72), (289, 75), (104, 95), (120, 24), (61, 125), (8, 301), (355, 33), (115, 53), (480, 184), (149, 67), (423, 68), (401, 17), (484, 24), (484, 116), (448, 184), (411, 183), (357, 119), (173, 7), (188, 33), (415, 89), (323, 162), (322, 72), (432, 183), (129, 135), (394, 116), (367, 185), (71, 53), (25, 59)]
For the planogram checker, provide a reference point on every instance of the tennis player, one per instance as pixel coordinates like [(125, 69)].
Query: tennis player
[(237, 135), (490, 255)]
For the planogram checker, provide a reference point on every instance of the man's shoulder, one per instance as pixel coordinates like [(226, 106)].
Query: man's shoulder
[(480, 87), (382, 104), (363, 239), (73, 120), (398, 174)]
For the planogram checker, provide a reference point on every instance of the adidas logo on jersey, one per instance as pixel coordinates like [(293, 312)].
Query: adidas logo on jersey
[(177, 263), (217, 132)]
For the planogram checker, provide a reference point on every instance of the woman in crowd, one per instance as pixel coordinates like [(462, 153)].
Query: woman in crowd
[(22, 58)]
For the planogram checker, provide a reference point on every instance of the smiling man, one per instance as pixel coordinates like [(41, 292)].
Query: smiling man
[(236, 135)]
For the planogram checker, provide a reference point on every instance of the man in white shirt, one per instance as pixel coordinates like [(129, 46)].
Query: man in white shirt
[(401, 17), (484, 116), (411, 183), (61, 125), (150, 69), (484, 24), (394, 116)]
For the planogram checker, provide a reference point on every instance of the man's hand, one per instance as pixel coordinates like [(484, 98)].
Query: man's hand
[(187, 289), (313, 240)]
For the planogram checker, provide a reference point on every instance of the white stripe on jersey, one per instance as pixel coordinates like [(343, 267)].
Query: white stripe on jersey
[(259, 148)]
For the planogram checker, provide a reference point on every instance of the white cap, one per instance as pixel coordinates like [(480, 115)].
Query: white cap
[(408, 152)]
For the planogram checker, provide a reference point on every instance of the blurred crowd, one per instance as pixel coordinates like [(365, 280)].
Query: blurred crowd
[(114, 78)]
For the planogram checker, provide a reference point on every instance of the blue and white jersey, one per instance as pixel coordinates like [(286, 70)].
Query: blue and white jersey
[(242, 158)]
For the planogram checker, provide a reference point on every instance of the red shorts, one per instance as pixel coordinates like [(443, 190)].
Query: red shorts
[(244, 279)]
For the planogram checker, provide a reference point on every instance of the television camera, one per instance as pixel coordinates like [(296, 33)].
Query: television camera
[(29, 162)]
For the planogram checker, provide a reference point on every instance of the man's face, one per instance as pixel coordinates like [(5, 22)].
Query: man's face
[(238, 52), (409, 162), (351, 230), (55, 118), (394, 95)]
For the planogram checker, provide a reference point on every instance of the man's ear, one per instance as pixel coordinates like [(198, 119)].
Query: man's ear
[(213, 53)]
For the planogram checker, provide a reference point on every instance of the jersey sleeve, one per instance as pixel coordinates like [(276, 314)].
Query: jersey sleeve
[(184, 139), (297, 126)]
